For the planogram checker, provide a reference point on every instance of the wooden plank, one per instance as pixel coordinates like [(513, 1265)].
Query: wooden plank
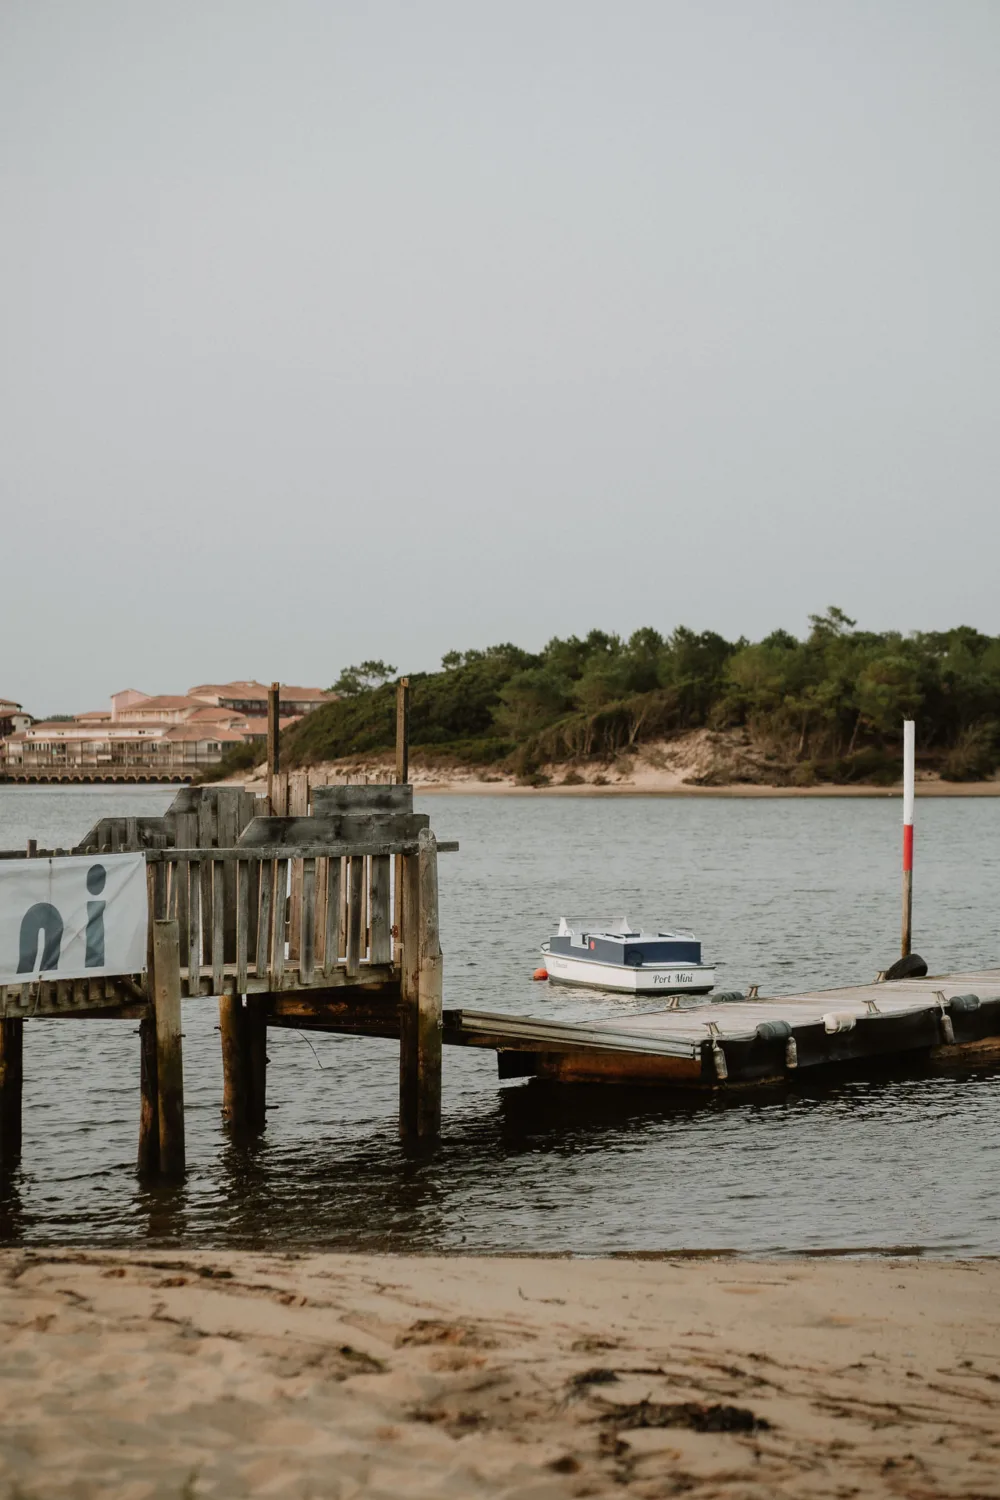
[(322, 873), (169, 1051), (361, 826), (307, 920), (242, 924), (291, 982), (228, 811), (342, 847), (247, 809), (247, 813), (218, 924), (207, 831), (381, 933), (331, 941), (279, 795), (355, 891), (265, 918), (279, 922), (186, 837), (194, 922), (298, 807)]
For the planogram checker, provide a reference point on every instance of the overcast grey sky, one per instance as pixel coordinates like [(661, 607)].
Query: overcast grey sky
[(332, 330)]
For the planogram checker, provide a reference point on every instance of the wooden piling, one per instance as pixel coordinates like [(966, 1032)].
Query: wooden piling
[(166, 996), (11, 1087), (235, 1060), (420, 1016), (403, 730), (273, 727), (148, 1163)]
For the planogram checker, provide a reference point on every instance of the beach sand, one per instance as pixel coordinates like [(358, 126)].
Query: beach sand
[(229, 1374)]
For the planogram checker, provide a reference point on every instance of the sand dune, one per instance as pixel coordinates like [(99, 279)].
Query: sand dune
[(233, 1374)]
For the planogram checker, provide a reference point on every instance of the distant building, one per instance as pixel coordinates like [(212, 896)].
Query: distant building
[(165, 737), (251, 698), (12, 717)]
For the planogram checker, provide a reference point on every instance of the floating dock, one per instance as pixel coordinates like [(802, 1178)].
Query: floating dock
[(951, 1017)]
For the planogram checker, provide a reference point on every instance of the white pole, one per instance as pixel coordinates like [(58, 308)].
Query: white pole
[(908, 789)]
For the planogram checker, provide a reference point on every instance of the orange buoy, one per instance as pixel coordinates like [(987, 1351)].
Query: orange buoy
[(540, 974)]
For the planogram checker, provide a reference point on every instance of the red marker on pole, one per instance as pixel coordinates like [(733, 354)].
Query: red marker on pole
[(908, 781)]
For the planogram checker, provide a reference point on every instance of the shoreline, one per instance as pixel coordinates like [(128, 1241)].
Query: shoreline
[(489, 789), (471, 786), (296, 1374)]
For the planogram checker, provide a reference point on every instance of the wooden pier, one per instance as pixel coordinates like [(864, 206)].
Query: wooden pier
[(318, 909)]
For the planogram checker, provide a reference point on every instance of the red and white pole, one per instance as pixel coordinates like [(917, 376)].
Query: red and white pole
[(908, 779)]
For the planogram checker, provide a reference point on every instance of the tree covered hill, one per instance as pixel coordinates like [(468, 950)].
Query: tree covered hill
[(829, 707)]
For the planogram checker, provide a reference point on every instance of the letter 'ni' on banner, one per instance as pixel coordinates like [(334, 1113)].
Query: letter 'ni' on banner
[(72, 917)]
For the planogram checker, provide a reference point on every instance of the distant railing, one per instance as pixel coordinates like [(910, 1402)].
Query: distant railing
[(153, 757)]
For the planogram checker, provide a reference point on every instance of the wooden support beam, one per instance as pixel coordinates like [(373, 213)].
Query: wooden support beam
[(166, 1000), (11, 1087), (148, 1163)]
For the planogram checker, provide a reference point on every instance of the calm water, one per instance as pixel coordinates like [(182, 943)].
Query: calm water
[(783, 893)]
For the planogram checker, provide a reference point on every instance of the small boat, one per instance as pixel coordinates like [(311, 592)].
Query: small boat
[(616, 957)]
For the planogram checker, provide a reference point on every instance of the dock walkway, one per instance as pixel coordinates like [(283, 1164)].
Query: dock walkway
[(717, 1043)]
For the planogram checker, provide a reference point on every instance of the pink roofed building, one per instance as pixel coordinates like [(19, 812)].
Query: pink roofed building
[(164, 737)]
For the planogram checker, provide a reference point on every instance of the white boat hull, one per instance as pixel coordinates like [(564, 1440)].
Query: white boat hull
[(649, 979)]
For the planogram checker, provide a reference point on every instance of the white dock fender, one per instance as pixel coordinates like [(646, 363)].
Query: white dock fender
[(839, 1020)]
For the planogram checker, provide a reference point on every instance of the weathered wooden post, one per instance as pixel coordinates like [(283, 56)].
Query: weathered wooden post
[(235, 1060), (273, 728), (908, 798), (403, 731), (420, 1031), (166, 997)]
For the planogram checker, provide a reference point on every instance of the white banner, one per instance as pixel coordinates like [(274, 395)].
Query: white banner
[(72, 917)]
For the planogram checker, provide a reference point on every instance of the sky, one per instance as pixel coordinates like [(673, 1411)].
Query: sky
[(335, 331)]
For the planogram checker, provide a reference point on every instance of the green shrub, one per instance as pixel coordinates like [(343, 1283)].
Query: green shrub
[(974, 757)]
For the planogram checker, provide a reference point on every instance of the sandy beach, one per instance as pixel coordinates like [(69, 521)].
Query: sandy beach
[(195, 1373)]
